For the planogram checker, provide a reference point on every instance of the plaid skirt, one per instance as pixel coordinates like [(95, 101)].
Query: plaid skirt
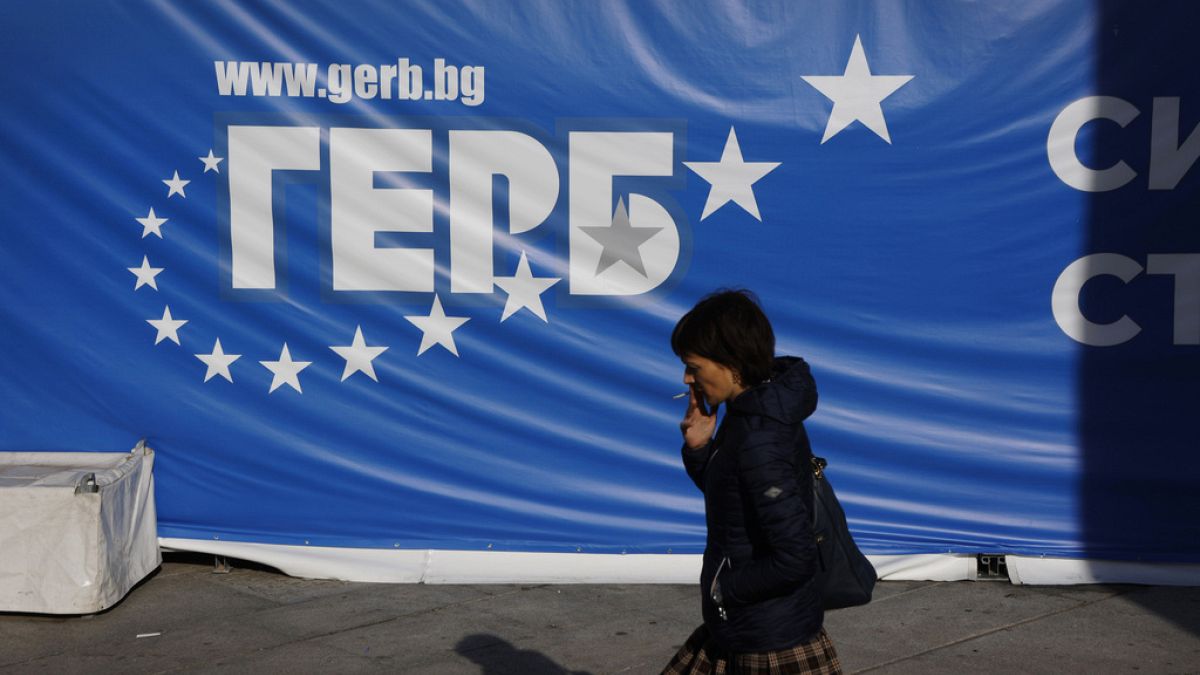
[(699, 656)]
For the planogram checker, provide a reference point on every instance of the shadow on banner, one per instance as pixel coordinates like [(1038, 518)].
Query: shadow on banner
[(1139, 380)]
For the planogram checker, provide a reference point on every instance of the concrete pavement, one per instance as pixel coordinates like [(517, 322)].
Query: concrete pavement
[(256, 620)]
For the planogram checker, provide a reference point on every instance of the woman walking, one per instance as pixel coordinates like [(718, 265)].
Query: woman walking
[(762, 611)]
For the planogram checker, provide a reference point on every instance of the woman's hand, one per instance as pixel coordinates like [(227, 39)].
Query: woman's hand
[(698, 423)]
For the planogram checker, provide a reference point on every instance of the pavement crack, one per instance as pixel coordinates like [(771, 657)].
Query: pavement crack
[(389, 619), (907, 592), (369, 624), (985, 633)]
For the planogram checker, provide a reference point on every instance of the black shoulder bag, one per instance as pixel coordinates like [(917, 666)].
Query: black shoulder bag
[(844, 575)]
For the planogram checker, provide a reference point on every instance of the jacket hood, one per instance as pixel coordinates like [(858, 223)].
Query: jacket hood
[(789, 396)]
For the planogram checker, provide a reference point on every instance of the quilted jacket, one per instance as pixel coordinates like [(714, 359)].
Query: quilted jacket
[(758, 507)]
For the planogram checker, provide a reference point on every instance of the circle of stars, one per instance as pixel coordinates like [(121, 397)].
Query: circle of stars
[(523, 290), (857, 96)]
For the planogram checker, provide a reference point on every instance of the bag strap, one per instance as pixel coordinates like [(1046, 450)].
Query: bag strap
[(818, 469)]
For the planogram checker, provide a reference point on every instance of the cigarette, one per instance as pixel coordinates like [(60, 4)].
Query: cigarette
[(680, 395), (146, 635)]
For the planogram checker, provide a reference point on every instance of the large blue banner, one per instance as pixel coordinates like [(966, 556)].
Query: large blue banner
[(402, 275)]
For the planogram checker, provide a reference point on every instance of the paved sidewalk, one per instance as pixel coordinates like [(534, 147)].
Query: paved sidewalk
[(256, 620)]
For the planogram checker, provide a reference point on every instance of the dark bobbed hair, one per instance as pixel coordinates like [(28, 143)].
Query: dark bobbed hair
[(729, 327)]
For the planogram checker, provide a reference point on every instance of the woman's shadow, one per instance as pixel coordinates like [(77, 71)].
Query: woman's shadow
[(497, 656)]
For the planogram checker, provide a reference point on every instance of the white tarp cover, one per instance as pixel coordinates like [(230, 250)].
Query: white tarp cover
[(65, 549)]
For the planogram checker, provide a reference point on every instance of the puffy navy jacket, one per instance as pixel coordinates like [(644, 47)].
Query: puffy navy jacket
[(758, 506)]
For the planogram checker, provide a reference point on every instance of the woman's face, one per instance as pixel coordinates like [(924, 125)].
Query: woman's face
[(711, 380)]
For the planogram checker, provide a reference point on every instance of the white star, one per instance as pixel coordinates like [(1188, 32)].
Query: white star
[(525, 290), (211, 162), (151, 223), (145, 274), (286, 370), (857, 94), (176, 186), (167, 326), (731, 178), (437, 328), (359, 356), (218, 362)]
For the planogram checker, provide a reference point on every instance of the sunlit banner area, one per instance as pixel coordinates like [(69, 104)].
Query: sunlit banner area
[(388, 288)]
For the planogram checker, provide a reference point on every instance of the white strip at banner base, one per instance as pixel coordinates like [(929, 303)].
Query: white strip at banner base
[(507, 567), (1033, 571), (924, 567), (453, 567)]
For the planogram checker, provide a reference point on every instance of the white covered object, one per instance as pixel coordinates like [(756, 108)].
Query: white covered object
[(77, 529)]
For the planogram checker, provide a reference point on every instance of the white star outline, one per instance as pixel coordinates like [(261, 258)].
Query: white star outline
[(167, 327), (151, 224), (358, 356), (437, 328), (285, 370), (525, 290), (857, 95), (211, 162), (145, 274), (175, 186), (218, 362), (732, 178)]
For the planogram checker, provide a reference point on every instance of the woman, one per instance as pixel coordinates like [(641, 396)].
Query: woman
[(762, 613)]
